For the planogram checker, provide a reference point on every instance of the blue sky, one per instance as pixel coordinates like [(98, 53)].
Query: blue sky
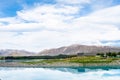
[(35, 25), (10, 7)]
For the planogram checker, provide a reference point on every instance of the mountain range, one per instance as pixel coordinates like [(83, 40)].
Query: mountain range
[(11, 52), (75, 49), (67, 50)]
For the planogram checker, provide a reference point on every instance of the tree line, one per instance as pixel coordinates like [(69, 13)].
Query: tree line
[(61, 56), (109, 54)]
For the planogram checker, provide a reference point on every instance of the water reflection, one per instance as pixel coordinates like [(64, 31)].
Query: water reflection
[(85, 69), (59, 73)]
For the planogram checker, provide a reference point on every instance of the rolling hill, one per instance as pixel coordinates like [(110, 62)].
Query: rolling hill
[(74, 49), (66, 50)]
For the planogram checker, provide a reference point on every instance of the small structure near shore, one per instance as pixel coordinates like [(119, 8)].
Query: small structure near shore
[(80, 54), (85, 54)]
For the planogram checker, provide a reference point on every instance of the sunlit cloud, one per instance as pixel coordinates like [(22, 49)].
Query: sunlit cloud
[(48, 25)]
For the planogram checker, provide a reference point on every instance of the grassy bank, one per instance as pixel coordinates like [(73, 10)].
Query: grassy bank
[(65, 62), (77, 60)]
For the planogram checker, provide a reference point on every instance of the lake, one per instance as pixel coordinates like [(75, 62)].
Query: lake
[(10, 73)]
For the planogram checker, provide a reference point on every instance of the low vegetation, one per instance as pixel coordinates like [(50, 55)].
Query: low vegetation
[(35, 57), (109, 54), (109, 57), (83, 59)]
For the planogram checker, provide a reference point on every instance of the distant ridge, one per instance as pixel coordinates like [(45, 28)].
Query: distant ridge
[(66, 50), (11, 52), (76, 48)]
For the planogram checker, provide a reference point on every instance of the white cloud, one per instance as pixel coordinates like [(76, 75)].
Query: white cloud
[(73, 1), (101, 4), (46, 16), (46, 26)]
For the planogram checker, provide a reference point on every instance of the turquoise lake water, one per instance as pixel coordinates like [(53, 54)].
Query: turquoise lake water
[(59, 73)]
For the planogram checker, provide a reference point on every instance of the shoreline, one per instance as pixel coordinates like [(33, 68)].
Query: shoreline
[(90, 61), (17, 64)]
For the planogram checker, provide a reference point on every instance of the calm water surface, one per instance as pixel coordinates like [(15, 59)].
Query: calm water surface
[(59, 73)]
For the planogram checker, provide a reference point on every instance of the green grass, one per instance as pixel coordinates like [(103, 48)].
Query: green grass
[(84, 59), (90, 60), (50, 61)]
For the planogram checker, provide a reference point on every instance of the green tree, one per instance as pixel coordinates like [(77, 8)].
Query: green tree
[(100, 54), (108, 54), (113, 54), (118, 53)]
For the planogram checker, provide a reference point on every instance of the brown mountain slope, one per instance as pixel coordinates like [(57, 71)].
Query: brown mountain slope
[(74, 49), (10, 52)]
